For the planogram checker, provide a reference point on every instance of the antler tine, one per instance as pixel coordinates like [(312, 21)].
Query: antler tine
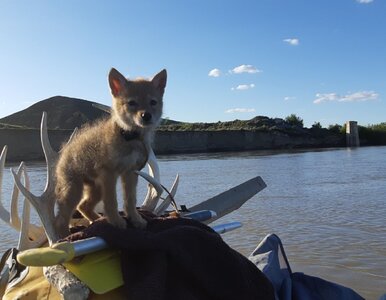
[(14, 215), (36, 233), (50, 155), (165, 204), (4, 214), (154, 183), (11, 218), (27, 229), (24, 242), (152, 195), (23, 236), (73, 134), (44, 204)]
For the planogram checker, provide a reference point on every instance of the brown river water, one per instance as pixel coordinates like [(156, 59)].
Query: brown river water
[(328, 206)]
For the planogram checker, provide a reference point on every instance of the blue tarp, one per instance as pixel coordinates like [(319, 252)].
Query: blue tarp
[(270, 258)]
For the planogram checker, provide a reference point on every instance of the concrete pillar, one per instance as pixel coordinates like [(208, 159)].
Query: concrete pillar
[(352, 135)]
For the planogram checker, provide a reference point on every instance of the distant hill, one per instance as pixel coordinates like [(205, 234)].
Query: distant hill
[(63, 113)]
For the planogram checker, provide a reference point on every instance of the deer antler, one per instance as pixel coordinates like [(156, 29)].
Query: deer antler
[(66, 283), (26, 228), (32, 232), (4, 214), (14, 215), (44, 204), (155, 189), (165, 204), (152, 195)]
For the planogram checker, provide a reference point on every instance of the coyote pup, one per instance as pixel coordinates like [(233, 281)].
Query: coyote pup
[(89, 166)]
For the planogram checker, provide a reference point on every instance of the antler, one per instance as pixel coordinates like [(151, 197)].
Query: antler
[(44, 204), (4, 214), (155, 188), (32, 231), (26, 228), (66, 283), (152, 196), (164, 205)]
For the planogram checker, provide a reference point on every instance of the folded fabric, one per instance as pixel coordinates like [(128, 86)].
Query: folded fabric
[(180, 258)]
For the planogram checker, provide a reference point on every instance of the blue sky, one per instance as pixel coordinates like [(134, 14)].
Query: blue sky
[(324, 60)]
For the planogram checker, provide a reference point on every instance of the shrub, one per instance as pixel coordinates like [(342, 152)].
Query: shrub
[(336, 128), (294, 120), (373, 134), (317, 125)]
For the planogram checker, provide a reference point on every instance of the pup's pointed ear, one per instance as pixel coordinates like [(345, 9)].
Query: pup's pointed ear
[(159, 80), (116, 81)]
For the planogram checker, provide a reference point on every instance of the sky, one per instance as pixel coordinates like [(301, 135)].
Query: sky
[(323, 60)]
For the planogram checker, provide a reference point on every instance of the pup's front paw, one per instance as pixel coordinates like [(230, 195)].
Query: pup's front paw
[(138, 222), (119, 222)]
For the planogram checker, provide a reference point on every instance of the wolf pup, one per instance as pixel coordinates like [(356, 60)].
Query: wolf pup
[(89, 166)]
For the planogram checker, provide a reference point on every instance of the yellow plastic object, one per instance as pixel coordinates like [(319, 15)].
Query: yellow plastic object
[(100, 271), (47, 256)]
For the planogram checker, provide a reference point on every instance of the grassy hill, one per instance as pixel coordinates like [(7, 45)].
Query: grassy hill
[(63, 113)]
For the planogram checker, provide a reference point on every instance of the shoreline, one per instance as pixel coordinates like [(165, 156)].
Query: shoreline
[(24, 144)]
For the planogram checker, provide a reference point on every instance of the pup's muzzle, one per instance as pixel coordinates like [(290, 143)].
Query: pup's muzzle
[(146, 118)]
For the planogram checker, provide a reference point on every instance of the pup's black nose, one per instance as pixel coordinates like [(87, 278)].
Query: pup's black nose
[(146, 116)]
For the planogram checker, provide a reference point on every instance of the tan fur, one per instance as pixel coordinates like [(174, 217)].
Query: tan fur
[(89, 166)]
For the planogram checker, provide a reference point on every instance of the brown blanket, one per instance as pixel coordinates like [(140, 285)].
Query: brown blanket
[(179, 258)]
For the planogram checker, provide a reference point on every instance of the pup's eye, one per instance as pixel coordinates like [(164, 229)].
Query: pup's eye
[(153, 102), (132, 103)]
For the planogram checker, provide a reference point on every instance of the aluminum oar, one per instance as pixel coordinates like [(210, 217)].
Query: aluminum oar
[(222, 228), (64, 252), (201, 215)]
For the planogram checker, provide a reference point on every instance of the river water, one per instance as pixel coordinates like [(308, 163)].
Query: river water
[(328, 206)]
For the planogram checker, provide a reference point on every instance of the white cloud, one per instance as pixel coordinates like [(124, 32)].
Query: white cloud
[(292, 42), (240, 110), (214, 73), (245, 69), (289, 98), (365, 1), (354, 97), (243, 87)]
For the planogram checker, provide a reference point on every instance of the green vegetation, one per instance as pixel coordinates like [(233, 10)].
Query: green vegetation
[(336, 128), (317, 125), (259, 123), (294, 120), (292, 125), (373, 134), (218, 126)]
